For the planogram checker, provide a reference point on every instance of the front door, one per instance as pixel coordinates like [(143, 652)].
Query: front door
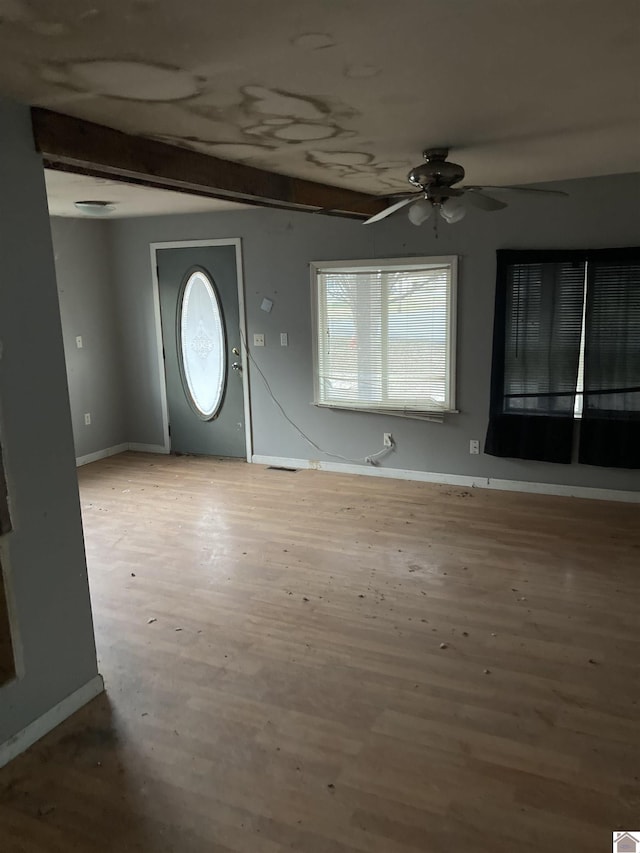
[(201, 339)]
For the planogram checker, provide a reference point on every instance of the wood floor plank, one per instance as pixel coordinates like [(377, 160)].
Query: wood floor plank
[(327, 663)]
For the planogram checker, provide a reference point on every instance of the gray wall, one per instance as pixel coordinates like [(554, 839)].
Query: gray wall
[(88, 308), (43, 556), (277, 247)]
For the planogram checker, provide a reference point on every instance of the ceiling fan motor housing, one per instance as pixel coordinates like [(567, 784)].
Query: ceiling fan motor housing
[(436, 170)]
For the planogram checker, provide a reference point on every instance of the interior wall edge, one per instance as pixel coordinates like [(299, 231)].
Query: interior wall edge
[(46, 555)]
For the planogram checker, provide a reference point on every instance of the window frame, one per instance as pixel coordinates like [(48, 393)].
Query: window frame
[(184, 378), (380, 264)]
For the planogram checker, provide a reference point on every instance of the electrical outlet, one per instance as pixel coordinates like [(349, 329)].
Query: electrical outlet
[(388, 439), (87, 418), (284, 339), (258, 340), (474, 446), (79, 341)]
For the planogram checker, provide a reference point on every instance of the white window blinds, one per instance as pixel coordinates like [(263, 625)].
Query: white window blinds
[(384, 336)]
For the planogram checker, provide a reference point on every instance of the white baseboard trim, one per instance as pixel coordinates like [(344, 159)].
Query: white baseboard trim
[(120, 448), (48, 721), (589, 492), (101, 454), (454, 479), (148, 448)]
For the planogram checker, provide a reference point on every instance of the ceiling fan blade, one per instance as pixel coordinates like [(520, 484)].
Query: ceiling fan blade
[(519, 190), (389, 210), (484, 202)]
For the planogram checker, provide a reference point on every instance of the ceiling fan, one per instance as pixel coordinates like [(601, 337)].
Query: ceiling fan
[(435, 193)]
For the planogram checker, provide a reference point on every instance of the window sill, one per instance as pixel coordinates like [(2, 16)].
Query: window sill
[(434, 416)]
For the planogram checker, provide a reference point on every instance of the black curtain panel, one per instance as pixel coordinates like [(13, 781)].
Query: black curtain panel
[(536, 352), (610, 428)]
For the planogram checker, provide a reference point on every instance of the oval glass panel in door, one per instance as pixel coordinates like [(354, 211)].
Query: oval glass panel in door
[(201, 345)]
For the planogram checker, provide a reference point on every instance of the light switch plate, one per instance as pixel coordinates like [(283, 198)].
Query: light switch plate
[(79, 341), (258, 340), (284, 339)]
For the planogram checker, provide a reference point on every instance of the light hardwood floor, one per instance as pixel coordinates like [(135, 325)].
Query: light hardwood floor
[(271, 646)]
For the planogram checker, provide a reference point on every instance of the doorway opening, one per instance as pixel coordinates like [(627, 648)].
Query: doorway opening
[(107, 263)]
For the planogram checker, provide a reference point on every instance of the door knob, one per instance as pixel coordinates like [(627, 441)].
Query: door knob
[(236, 366), (235, 351)]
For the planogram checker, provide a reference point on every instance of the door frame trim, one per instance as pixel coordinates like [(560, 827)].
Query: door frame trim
[(194, 244)]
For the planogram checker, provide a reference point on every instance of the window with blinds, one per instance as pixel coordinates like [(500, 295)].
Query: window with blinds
[(543, 327), (610, 432), (384, 335), (567, 345), (612, 339)]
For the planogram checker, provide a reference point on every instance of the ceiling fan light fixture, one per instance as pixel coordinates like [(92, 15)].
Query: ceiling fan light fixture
[(420, 211), (434, 182), (452, 210), (95, 207)]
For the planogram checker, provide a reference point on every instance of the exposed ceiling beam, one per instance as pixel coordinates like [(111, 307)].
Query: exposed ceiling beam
[(71, 144)]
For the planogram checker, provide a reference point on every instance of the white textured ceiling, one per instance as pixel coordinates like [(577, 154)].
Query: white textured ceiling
[(64, 189), (347, 92)]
